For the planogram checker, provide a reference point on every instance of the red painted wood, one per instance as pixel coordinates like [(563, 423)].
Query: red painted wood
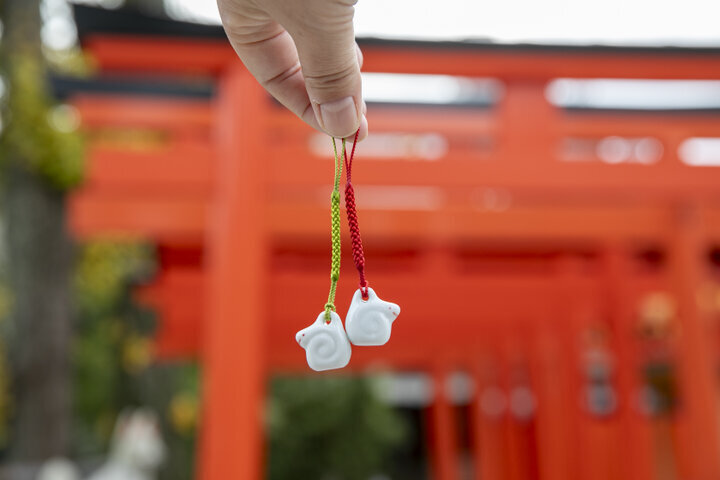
[(487, 414), (697, 421), (550, 372), (233, 367), (97, 213), (414, 341), (443, 427), (151, 54), (524, 65), (175, 296), (157, 218), (185, 169), (633, 434), (122, 111)]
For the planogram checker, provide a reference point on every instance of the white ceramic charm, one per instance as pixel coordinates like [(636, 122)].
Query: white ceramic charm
[(326, 344), (369, 322)]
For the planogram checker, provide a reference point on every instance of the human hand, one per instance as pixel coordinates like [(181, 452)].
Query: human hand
[(304, 53)]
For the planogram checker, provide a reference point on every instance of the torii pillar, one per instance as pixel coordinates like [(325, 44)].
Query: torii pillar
[(233, 355)]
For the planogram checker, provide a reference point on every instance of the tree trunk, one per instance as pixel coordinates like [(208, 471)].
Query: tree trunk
[(39, 259), (39, 267)]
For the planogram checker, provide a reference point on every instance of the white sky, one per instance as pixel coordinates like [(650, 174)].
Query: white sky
[(645, 22)]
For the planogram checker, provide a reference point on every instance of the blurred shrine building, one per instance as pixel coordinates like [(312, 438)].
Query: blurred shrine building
[(555, 248)]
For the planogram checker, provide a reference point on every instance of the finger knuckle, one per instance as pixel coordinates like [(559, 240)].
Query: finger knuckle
[(342, 77), (281, 77)]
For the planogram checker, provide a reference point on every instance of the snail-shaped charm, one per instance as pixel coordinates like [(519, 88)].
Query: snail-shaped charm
[(369, 322), (326, 344)]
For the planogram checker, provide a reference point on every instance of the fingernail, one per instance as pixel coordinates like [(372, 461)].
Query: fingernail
[(339, 118), (363, 130)]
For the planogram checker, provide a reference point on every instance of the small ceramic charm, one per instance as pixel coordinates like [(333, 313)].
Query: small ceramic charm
[(326, 344), (369, 322)]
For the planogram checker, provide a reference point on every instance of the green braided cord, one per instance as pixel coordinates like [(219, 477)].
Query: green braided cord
[(335, 233)]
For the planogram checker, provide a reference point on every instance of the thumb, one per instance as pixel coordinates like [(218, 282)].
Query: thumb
[(325, 41)]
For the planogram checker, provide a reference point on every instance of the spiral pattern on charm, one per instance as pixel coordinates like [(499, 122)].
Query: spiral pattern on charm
[(374, 326), (369, 322), (325, 349), (326, 344)]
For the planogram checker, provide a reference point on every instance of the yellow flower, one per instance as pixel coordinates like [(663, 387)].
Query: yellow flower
[(184, 412), (137, 353)]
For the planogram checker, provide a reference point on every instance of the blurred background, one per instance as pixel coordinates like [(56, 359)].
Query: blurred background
[(540, 193)]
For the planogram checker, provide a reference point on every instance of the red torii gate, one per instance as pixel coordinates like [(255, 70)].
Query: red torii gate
[(235, 182)]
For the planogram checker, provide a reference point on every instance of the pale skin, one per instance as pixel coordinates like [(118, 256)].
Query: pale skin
[(303, 52)]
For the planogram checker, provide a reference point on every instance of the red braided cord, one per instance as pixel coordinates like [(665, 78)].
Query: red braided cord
[(357, 248), (348, 164), (351, 210)]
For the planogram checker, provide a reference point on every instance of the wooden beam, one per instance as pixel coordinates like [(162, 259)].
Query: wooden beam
[(97, 214), (184, 169), (234, 369), (123, 53), (698, 410), (480, 169), (551, 370), (488, 411), (138, 112), (174, 295), (414, 339), (538, 64), (153, 54), (632, 434), (443, 437)]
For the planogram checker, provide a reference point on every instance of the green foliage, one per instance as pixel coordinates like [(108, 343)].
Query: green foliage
[(33, 131), (329, 427), (103, 272), (102, 278), (73, 62), (114, 363)]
